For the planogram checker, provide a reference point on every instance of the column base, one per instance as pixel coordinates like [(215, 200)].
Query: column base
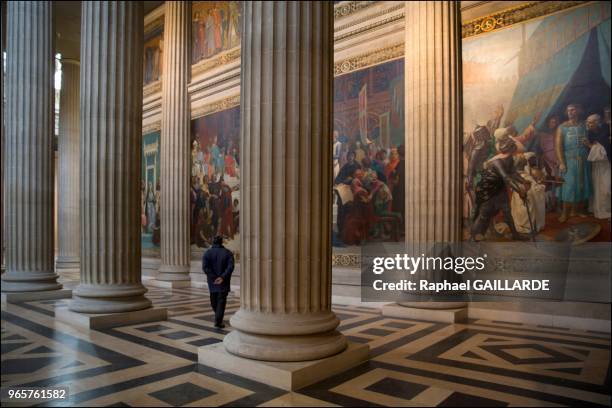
[(173, 284), (26, 281), (109, 298), (289, 376), (19, 297), (173, 273), (68, 262), (455, 315), (108, 320)]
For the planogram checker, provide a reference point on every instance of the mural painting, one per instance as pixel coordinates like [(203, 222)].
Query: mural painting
[(368, 155), (537, 129), (215, 28), (150, 191), (215, 178), (153, 49)]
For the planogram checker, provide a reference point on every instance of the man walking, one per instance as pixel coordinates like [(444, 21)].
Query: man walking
[(218, 265)]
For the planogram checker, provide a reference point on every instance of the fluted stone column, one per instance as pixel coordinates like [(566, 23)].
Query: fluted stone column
[(2, 116), (69, 221), (286, 111), (175, 151), (29, 166), (433, 105), (111, 136)]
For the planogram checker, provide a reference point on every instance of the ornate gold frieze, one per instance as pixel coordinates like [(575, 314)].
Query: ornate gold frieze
[(371, 58), (216, 61), (151, 89), (514, 15), (370, 27), (349, 7), (372, 16), (214, 107), (346, 260)]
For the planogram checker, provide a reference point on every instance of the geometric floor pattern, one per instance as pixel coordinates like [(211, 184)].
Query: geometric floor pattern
[(412, 363)]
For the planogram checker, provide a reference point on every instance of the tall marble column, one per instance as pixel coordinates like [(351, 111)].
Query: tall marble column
[(2, 116), (433, 106), (175, 151), (69, 221), (111, 136), (286, 112), (29, 162)]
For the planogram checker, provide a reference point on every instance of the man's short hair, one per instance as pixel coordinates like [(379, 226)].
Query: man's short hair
[(218, 240)]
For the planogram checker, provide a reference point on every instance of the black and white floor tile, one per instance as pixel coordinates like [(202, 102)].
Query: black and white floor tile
[(412, 363)]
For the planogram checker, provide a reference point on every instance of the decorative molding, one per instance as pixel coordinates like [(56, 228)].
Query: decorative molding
[(152, 127), (346, 260), (514, 15), (217, 106), (369, 27), (154, 18), (372, 16), (371, 58), (152, 25), (216, 61), (473, 4), (152, 88), (347, 8)]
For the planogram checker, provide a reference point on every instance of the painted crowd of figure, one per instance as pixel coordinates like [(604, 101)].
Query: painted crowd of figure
[(564, 166), (149, 210), (215, 30), (369, 187), (213, 209)]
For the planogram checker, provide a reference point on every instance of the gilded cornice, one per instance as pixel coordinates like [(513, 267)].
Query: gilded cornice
[(216, 61), (368, 59), (217, 106), (372, 26), (514, 15), (350, 7), (372, 16)]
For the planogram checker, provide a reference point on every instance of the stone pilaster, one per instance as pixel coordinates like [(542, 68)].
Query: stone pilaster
[(111, 136), (433, 108), (29, 165), (286, 112), (69, 221), (175, 151)]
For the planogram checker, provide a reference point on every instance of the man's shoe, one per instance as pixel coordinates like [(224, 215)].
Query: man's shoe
[(220, 326)]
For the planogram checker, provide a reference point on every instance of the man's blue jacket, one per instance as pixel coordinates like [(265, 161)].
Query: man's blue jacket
[(218, 261)]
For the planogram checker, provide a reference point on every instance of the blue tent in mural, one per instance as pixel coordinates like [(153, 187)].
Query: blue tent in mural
[(566, 60)]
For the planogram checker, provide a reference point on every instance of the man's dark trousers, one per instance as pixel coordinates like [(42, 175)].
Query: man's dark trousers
[(218, 301)]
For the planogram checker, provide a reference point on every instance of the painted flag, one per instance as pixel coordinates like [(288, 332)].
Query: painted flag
[(385, 131), (363, 114)]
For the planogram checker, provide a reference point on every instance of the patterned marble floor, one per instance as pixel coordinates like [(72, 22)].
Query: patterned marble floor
[(412, 363)]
